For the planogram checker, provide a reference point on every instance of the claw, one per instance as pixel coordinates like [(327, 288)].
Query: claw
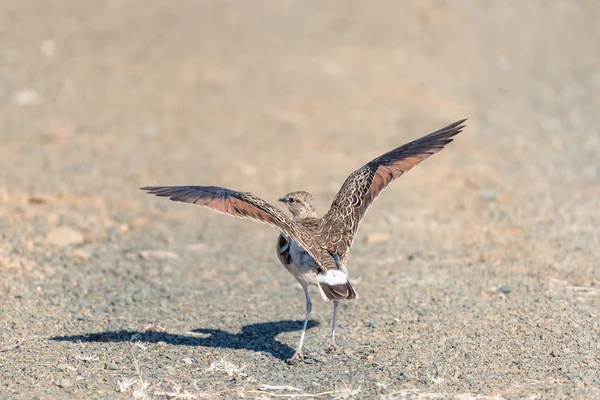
[(295, 358), (332, 347)]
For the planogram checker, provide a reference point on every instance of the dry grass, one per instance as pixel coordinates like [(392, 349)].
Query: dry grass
[(416, 394), (138, 387), (86, 358), (224, 366), (343, 393), (177, 392)]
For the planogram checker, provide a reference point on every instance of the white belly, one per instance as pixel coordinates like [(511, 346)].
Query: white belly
[(302, 265)]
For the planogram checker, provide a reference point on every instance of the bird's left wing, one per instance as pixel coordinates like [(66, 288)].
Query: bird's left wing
[(244, 205), (362, 187)]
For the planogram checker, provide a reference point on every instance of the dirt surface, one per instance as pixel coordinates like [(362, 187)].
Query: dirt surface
[(478, 272)]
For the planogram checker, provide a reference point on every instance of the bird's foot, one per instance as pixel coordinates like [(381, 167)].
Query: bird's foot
[(332, 348), (295, 358)]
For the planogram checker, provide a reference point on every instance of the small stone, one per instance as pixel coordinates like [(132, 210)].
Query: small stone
[(64, 236), (65, 367), (26, 97), (159, 254), (82, 254), (488, 194), (48, 47), (39, 199), (111, 366), (65, 383), (196, 246), (470, 379), (505, 289), (374, 238), (149, 131)]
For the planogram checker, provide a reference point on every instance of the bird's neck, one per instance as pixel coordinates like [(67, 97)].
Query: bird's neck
[(305, 216)]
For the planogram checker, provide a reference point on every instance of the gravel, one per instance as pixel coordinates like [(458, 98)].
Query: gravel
[(477, 272)]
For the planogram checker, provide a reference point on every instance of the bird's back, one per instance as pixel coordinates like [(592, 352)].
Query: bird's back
[(305, 269)]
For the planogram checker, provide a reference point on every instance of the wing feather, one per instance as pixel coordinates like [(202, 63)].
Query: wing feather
[(364, 185), (246, 205)]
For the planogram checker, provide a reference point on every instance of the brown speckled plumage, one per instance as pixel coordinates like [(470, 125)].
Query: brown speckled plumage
[(311, 247)]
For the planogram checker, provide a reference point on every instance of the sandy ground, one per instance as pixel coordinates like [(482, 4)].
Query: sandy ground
[(478, 272)]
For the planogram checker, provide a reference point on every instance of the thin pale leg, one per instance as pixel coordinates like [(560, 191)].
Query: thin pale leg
[(336, 258), (335, 307), (298, 354)]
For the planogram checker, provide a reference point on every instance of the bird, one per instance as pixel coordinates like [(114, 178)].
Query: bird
[(315, 249)]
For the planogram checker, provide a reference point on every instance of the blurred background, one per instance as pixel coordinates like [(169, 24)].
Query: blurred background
[(98, 98)]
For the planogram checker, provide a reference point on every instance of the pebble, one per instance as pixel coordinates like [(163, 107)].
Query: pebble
[(196, 246), (48, 47), (111, 366), (488, 194), (159, 254), (39, 199), (505, 289), (26, 97), (65, 367), (64, 236), (470, 379), (64, 383), (82, 254), (149, 131), (373, 238)]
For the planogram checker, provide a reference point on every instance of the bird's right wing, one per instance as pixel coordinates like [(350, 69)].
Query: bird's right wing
[(363, 186), (244, 205)]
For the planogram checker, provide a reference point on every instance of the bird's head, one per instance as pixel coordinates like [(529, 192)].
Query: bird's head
[(301, 204)]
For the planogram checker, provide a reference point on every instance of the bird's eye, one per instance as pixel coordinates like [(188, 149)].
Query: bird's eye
[(291, 200)]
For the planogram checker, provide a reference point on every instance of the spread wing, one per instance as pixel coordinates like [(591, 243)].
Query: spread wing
[(364, 185), (245, 205)]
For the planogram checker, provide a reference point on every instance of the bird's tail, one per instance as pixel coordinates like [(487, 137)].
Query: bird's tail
[(345, 291), (334, 285)]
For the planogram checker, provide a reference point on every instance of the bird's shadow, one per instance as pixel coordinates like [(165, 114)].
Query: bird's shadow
[(259, 337)]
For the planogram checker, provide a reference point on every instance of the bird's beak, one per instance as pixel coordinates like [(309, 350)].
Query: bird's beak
[(282, 200)]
